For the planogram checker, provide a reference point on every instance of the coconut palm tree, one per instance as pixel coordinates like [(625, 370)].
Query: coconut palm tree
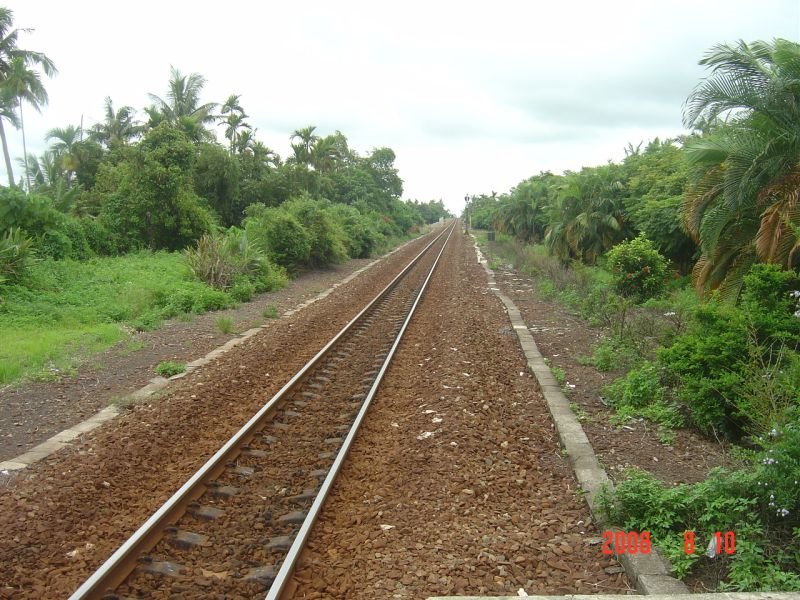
[(324, 154), (742, 203), (25, 85), (13, 61), (235, 128), (118, 127), (8, 113), (182, 108)]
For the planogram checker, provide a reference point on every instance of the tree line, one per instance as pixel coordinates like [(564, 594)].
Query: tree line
[(714, 202), (160, 179)]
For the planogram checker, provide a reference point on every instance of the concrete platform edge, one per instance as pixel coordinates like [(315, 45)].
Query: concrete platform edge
[(650, 573), (64, 437)]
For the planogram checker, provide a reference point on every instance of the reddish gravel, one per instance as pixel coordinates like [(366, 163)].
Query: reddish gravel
[(61, 518), (238, 559), (455, 484)]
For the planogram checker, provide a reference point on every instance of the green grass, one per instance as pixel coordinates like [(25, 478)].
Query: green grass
[(66, 310), (169, 368), (224, 324), (271, 312)]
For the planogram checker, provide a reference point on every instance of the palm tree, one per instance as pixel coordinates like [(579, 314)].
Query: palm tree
[(65, 139), (588, 217), (523, 212), (234, 123), (12, 60), (118, 127), (324, 154), (24, 84), (742, 203), (7, 105), (182, 108), (302, 150)]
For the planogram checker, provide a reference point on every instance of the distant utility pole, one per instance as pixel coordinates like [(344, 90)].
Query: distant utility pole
[(466, 213)]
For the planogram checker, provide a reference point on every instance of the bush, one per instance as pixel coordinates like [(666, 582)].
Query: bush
[(738, 365), (705, 364), (327, 234), (280, 234), (760, 503), (16, 252), (230, 260), (639, 269), (640, 393)]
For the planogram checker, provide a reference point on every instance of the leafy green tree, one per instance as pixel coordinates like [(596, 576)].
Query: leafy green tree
[(742, 203), (17, 81), (153, 203), (216, 179), (655, 182)]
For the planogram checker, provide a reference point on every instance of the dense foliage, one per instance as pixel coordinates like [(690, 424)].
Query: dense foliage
[(719, 204)]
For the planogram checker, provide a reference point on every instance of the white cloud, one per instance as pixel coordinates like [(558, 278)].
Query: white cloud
[(473, 97)]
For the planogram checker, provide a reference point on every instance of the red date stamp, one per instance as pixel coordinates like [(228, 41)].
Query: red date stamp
[(720, 543), (626, 542), (638, 542)]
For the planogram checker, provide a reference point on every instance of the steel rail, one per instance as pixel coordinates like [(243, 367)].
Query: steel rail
[(111, 573), (287, 567)]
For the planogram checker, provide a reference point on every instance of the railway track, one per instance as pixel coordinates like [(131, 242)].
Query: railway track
[(238, 524)]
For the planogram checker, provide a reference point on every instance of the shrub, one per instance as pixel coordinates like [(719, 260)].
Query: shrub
[(242, 289), (362, 236), (169, 368), (223, 260), (760, 503), (705, 364), (612, 354), (639, 269), (280, 234), (327, 235), (16, 251), (737, 365), (640, 393)]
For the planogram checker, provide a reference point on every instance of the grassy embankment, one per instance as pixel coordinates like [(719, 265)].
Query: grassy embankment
[(67, 310)]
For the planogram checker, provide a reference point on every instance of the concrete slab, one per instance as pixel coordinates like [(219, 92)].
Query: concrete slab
[(12, 465)]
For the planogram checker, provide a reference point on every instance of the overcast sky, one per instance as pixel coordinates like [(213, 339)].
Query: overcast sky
[(472, 97)]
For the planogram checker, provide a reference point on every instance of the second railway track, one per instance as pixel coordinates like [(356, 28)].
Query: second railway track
[(236, 526)]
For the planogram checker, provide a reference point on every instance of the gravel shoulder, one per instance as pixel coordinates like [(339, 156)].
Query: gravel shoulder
[(455, 483)]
